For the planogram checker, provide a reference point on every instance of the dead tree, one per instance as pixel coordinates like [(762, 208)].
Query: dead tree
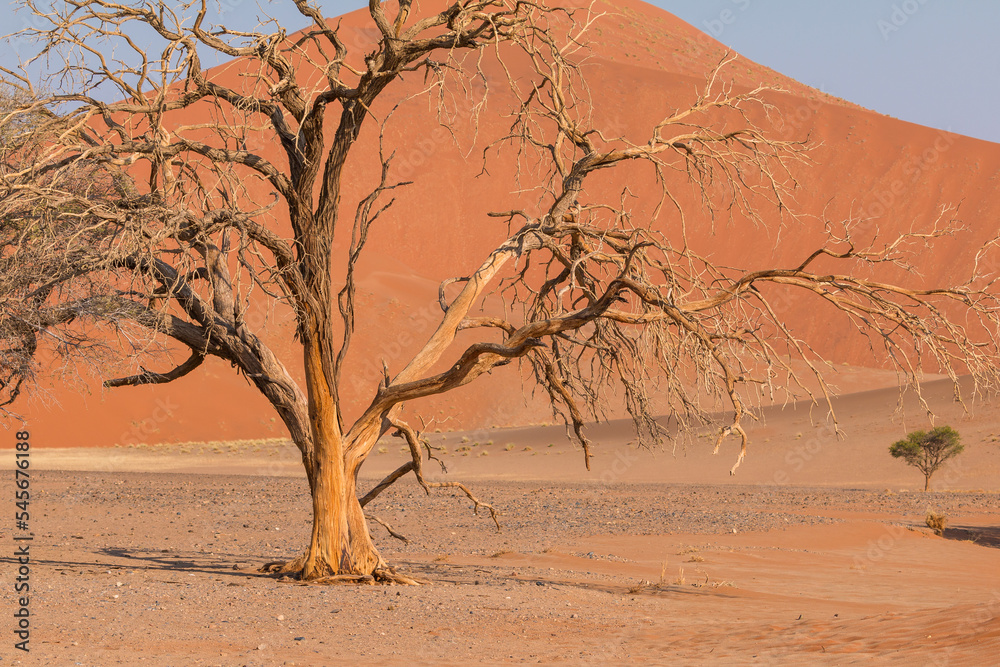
[(184, 221)]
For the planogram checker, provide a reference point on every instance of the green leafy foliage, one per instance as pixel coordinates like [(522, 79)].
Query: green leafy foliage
[(927, 451)]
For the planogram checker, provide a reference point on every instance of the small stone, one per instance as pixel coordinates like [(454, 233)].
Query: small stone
[(281, 617), (262, 647)]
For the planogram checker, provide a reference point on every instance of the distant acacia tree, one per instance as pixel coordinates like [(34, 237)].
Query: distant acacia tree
[(182, 224), (928, 451)]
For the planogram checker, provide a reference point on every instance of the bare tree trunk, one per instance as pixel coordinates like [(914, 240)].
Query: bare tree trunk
[(340, 543)]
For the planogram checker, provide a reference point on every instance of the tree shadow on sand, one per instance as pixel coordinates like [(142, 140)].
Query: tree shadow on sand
[(172, 562), (179, 561), (474, 575), (984, 536)]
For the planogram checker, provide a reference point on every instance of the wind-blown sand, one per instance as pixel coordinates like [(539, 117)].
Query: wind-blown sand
[(647, 561)]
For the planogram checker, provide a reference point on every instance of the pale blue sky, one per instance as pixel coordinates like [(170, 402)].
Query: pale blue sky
[(933, 62)]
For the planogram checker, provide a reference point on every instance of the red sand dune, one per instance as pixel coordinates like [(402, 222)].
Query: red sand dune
[(893, 173)]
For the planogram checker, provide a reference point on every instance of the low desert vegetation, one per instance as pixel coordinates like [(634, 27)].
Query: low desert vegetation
[(182, 201), (936, 522), (928, 450)]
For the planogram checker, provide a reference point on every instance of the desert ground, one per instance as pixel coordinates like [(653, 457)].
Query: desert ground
[(150, 555), (815, 552)]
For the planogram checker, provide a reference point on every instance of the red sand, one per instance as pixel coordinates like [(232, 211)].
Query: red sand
[(626, 564), (895, 173), (644, 560)]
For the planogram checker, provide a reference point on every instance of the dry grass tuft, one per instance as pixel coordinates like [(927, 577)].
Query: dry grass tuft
[(936, 522)]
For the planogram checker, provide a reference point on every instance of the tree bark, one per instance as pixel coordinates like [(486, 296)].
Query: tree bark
[(340, 542)]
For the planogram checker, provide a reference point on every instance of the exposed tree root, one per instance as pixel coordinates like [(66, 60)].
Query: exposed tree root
[(291, 572), (389, 575), (332, 580), (283, 566)]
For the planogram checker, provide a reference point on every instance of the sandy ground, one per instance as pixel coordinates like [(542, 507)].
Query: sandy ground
[(159, 569), (814, 553), (643, 560)]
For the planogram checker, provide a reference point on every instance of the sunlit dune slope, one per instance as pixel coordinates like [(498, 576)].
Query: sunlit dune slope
[(893, 175)]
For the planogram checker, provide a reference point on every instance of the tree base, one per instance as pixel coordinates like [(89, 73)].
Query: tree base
[(291, 572)]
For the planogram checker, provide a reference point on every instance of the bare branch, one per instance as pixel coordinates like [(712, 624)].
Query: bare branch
[(149, 377), (413, 439)]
